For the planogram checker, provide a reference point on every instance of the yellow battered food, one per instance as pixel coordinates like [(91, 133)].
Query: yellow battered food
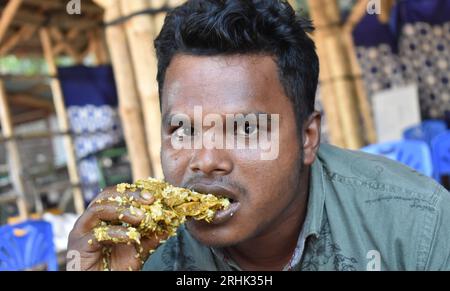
[(171, 208)]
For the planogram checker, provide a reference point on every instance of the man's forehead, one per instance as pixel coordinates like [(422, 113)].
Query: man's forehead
[(220, 81)]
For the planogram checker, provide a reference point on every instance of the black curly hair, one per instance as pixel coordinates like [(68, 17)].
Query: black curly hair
[(227, 27)]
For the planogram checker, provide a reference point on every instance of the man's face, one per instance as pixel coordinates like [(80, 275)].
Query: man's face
[(264, 192)]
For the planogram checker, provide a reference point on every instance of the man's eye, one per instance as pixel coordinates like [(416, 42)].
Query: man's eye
[(184, 131), (247, 129)]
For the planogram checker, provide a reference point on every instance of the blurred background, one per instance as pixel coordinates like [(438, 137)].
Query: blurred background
[(79, 108)]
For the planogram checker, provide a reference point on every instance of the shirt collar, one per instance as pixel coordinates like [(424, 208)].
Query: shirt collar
[(316, 200)]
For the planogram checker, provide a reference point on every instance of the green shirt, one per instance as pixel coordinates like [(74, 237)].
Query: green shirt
[(364, 213)]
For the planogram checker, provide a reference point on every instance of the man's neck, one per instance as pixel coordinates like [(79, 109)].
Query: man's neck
[(273, 249)]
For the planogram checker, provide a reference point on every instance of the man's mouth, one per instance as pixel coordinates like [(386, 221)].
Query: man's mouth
[(217, 190)]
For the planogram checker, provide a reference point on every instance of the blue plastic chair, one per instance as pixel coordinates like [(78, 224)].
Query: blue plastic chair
[(27, 245), (440, 147), (425, 131), (413, 153)]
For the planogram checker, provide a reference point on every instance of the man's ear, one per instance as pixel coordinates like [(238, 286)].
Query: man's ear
[(311, 137)]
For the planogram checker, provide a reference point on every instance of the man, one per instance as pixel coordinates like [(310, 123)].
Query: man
[(313, 207)]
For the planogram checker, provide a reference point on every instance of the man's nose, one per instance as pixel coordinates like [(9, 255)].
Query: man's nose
[(211, 162)]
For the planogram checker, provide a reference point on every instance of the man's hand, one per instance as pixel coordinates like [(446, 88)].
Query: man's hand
[(126, 255)]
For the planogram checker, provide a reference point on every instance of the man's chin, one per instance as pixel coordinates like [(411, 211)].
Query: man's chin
[(216, 236)]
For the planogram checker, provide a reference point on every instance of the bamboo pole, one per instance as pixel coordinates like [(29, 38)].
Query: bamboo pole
[(30, 101), (129, 104), (63, 121), (140, 33), (16, 168), (61, 44), (98, 47), (327, 92), (357, 13), (326, 16), (158, 19), (329, 99), (8, 15), (174, 3), (25, 33), (385, 14), (361, 92)]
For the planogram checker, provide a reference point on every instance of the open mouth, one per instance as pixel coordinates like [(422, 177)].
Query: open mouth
[(226, 214)]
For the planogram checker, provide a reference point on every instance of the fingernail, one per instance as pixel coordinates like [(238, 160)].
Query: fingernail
[(147, 196), (136, 212)]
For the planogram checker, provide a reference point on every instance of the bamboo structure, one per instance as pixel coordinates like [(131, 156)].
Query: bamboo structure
[(16, 169), (63, 121), (356, 15), (98, 47), (129, 102), (8, 15), (140, 32), (336, 76), (386, 8)]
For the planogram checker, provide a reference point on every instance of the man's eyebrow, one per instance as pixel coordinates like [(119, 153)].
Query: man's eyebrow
[(168, 116), (258, 114)]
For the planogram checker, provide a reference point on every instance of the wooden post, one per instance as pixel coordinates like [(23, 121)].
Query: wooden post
[(25, 33), (129, 104), (326, 15), (98, 47), (66, 46), (140, 33), (63, 121), (327, 92), (361, 92), (158, 19), (357, 13), (386, 6), (7, 16), (13, 153), (329, 98)]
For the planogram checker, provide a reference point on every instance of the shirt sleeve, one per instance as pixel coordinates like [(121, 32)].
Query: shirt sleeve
[(439, 256)]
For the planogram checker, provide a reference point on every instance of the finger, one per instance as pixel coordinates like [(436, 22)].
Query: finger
[(115, 234), (108, 212), (111, 193), (90, 243), (86, 242)]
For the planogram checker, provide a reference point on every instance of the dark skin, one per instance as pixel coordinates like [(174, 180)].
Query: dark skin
[(270, 195)]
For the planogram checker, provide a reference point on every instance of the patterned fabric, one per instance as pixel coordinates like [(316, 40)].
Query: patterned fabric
[(413, 48), (91, 101), (97, 127)]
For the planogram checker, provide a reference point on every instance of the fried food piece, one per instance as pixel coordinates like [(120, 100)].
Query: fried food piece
[(171, 208)]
